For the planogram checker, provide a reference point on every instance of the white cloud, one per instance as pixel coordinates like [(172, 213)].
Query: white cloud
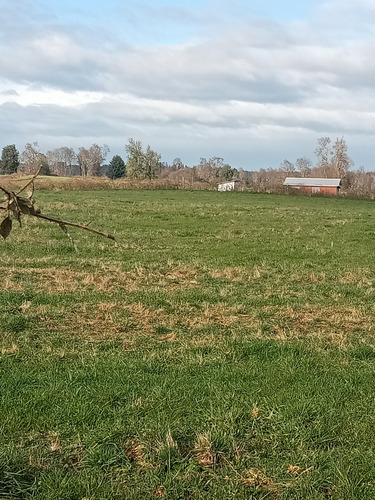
[(251, 80)]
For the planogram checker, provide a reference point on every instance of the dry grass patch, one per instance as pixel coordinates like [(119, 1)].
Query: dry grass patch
[(258, 479), (54, 280), (55, 183), (169, 337), (160, 492), (168, 443), (317, 277), (207, 340), (106, 319), (218, 314), (203, 450), (136, 451), (175, 277), (295, 470), (55, 443), (238, 274), (93, 321), (335, 324), (145, 319), (350, 318), (360, 277), (7, 284), (182, 272), (13, 349), (104, 279)]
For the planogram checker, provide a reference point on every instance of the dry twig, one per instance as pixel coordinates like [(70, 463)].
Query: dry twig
[(15, 206)]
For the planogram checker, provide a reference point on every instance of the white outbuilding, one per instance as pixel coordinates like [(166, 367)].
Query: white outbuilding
[(228, 186)]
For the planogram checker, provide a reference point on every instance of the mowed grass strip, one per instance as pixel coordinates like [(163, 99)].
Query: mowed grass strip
[(223, 347)]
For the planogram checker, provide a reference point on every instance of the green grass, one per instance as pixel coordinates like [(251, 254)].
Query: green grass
[(222, 348)]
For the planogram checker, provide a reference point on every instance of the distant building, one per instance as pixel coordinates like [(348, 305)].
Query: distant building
[(314, 185), (228, 186)]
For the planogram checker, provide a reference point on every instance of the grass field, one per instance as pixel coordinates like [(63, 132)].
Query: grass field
[(222, 348)]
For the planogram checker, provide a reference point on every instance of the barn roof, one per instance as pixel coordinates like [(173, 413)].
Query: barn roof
[(310, 181)]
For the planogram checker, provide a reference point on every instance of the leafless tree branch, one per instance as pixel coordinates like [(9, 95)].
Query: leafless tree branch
[(16, 205)]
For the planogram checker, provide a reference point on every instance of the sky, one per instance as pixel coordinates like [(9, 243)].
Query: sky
[(254, 82)]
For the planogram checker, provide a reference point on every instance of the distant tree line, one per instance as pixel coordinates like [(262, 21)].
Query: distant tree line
[(332, 161), (63, 161), (143, 163)]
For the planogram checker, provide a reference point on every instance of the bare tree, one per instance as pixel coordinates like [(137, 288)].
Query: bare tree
[(288, 167), (324, 153), (31, 158), (177, 164), (208, 170), (246, 177), (216, 162), (340, 160), (90, 160), (332, 160), (304, 166), (83, 158), (53, 158), (61, 160)]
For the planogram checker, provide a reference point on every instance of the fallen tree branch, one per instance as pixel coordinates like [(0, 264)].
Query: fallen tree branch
[(15, 206), (73, 224)]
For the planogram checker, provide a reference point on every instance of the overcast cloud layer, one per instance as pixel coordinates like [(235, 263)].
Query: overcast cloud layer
[(255, 85)]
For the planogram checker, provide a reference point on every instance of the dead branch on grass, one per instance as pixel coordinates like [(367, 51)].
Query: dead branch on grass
[(16, 206)]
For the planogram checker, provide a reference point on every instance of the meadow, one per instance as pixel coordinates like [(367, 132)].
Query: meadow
[(222, 348)]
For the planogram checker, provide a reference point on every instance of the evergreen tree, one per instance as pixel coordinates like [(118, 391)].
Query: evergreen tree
[(9, 160), (116, 168)]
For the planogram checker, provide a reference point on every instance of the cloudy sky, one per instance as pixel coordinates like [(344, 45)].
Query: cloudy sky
[(253, 81)]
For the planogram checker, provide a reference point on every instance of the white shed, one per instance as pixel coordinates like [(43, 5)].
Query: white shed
[(228, 186)]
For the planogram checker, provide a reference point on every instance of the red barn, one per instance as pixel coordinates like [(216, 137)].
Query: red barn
[(314, 185)]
